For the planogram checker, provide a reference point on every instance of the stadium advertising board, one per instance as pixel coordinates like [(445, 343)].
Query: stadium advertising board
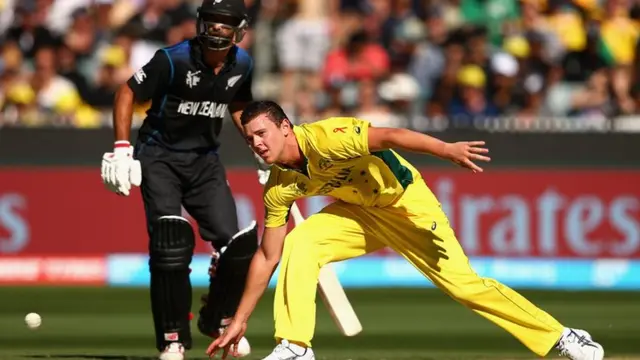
[(560, 229), (573, 214)]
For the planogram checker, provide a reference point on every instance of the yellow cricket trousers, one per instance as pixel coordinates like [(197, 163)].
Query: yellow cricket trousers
[(416, 228)]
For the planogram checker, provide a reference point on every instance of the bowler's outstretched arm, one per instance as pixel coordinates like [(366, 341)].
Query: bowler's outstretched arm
[(263, 265), (462, 153)]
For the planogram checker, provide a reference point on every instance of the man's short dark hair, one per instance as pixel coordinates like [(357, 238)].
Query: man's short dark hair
[(265, 107)]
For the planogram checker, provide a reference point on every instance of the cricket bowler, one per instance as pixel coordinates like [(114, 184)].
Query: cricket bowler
[(381, 201), (191, 86)]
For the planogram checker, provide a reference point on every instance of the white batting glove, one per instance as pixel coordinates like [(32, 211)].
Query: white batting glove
[(119, 169), (263, 169), (263, 176), (261, 164)]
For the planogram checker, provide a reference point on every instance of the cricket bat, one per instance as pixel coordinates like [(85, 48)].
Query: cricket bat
[(333, 293)]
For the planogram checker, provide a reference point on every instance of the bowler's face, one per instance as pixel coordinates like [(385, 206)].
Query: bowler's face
[(265, 138)]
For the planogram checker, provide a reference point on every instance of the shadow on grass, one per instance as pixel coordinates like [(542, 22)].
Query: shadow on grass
[(97, 357), (371, 346)]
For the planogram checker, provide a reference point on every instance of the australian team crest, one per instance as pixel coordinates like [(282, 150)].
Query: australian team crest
[(324, 164), (301, 188)]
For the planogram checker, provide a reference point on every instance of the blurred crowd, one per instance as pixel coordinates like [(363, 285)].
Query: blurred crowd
[(402, 63)]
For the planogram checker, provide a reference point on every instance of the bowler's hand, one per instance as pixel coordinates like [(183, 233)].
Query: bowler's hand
[(464, 153), (228, 340)]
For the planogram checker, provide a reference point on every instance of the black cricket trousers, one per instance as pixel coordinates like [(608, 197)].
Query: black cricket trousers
[(194, 180)]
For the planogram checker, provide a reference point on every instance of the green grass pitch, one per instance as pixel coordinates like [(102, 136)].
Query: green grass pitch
[(115, 324)]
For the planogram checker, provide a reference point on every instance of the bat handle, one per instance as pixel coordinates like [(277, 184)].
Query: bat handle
[(297, 215)]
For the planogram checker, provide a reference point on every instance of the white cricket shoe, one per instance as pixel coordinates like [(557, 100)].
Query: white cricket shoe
[(173, 351), (287, 351), (577, 344)]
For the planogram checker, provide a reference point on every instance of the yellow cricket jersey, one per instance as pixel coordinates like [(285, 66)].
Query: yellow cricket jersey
[(337, 163)]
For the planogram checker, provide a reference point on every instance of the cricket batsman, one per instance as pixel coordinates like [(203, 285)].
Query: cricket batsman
[(191, 86), (381, 201)]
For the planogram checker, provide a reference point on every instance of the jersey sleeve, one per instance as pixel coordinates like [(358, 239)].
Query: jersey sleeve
[(341, 138), (245, 94), (276, 204), (153, 77)]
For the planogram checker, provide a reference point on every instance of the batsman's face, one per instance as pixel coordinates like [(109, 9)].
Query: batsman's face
[(266, 138)]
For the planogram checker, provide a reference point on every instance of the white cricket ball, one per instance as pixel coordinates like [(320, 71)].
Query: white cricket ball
[(244, 348), (33, 320)]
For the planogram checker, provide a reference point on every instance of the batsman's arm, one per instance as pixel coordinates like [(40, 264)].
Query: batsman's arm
[(242, 98), (151, 81), (263, 265), (123, 113), (235, 108)]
